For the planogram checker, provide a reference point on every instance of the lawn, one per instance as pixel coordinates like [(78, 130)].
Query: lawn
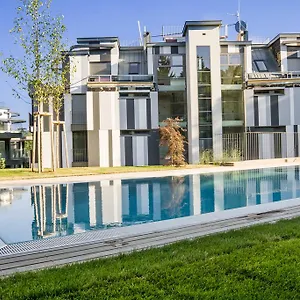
[(261, 262), (11, 174)]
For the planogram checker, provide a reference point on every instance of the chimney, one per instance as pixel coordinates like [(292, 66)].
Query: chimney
[(147, 38)]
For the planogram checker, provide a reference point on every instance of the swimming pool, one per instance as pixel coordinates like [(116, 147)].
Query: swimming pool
[(41, 212)]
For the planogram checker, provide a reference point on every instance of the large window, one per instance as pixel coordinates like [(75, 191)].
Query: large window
[(172, 105), (170, 67), (100, 68), (80, 146), (232, 105), (79, 109), (204, 97), (231, 68)]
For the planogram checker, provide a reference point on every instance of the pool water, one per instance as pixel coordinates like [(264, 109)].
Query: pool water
[(38, 212)]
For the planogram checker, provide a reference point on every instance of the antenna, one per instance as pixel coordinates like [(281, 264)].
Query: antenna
[(140, 33)]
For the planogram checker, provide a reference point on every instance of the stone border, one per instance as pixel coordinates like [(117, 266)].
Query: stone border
[(249, 165)]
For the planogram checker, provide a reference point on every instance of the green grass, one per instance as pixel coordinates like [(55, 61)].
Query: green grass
[(12, 174), (261, 262)]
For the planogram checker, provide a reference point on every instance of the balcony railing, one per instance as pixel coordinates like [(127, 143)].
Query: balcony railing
[(80, 155), (120, 78), (273, 75)]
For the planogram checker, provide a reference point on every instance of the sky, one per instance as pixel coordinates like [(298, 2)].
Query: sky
[(265, 18)]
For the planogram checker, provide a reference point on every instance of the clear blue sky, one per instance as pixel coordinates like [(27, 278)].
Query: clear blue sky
[(265, 18)]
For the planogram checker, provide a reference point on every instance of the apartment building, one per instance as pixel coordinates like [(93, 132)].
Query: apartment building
[(220, 88)]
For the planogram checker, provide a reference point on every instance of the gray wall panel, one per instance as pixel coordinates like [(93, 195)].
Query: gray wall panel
[(297, 105), (153, 148), (274, 111), (128, 151), (148, 103), (256, 112), (284, 109), (130, 114)]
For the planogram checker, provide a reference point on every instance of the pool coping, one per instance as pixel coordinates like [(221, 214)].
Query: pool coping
[(248, 165), (99, 235)]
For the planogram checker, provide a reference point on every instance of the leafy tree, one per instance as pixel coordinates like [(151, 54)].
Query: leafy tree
[(171, 135), (37, 71)]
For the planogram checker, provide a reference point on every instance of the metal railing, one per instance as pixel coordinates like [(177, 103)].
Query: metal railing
[(260, 145), (80, 155), (120, 78), (273, 75)]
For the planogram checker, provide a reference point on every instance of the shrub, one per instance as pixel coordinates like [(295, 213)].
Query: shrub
[(2, 163), (172, 137), (206, 157)]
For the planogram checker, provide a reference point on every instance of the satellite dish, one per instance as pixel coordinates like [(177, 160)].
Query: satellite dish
[(240, 26)]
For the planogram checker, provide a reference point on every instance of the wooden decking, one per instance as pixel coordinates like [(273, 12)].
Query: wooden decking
[(29, 261)]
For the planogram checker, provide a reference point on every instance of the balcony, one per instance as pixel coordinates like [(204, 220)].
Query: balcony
[(273, 78), (120, 80)]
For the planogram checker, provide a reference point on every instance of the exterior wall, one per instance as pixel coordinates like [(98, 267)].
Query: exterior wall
[(272, 110), (103, 129), (78, 80), (68, 123), (203, 36), (139, 124)]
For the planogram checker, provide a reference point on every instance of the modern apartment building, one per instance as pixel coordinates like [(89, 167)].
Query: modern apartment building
[(220, 88)]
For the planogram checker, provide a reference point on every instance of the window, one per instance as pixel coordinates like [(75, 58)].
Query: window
[(100, 68), (156, 50), (134, 68), (79, 109), (80, 146), (232, 105), (174, 49), (231, 74), (261, 66), (172, 105)]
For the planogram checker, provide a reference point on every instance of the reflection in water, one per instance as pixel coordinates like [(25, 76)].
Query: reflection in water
[(59, 210), (7, 196), (50, 211)]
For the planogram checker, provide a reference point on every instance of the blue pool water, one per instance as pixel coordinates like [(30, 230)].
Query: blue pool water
[(38, 212)]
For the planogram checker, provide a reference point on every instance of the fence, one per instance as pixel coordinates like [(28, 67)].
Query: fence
[(261, 145)]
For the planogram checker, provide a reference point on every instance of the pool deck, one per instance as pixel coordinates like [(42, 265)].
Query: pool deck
[(245, 165), (48, 253)]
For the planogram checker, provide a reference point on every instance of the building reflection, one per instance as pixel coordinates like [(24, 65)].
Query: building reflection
[(8, 195), (73, 208)]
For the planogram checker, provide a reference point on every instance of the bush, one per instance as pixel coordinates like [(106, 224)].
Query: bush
[(171, 136), (206, 157), (2, 163)]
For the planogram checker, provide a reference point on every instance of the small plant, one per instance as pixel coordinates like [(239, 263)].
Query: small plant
[(206, 157), (172, 137), (2, 163)]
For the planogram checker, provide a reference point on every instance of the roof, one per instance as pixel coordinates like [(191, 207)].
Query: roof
[(200, 23), (106, 39), (284, 35)]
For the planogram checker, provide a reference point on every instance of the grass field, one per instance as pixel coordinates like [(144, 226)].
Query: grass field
[(261, 262), (12, 174)]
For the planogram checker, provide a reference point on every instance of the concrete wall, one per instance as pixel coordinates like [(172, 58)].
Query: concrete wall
[(203, 36)]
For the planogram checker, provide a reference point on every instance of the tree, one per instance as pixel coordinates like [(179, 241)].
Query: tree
[(172, 137), (39, 35)]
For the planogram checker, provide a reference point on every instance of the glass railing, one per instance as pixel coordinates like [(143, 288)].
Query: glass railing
[(120, 78), (233, 116)]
